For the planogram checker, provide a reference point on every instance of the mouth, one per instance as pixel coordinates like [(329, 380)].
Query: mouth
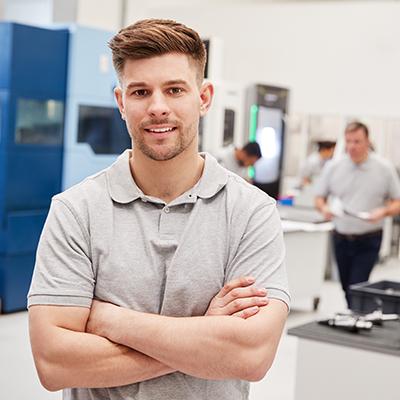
[(160, 132)]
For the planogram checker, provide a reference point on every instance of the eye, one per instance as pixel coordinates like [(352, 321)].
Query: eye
[(140, 92), (175, 90)]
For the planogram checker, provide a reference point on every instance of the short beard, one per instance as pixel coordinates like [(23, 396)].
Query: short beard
[(177, 148)]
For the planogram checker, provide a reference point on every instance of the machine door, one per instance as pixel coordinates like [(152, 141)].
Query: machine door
[(269, 136), (34, 158), (103, 129)]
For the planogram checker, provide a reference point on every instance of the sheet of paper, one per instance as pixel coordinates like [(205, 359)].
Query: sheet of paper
[(295, 226), (339, 209)]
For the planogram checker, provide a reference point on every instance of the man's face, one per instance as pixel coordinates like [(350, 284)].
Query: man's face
[(162, 102), (357, 145), (249, 161), (245, 160), (327, 154)]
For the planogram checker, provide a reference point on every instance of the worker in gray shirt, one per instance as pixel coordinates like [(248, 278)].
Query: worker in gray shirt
[(316, 161), (161, 277), (238, 160), (363, 190)]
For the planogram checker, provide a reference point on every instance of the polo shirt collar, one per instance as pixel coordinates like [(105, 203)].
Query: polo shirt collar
[(121, 185), (123, 189), (213, 179)]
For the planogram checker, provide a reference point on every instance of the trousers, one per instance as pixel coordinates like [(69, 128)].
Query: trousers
[(356, 256)]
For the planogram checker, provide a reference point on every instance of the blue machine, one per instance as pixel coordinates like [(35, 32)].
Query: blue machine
[(94, 132), (32, 93)]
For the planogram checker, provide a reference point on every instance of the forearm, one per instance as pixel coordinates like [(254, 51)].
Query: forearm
[(393, 208), (78, 359), (320, 203), (206, 347)]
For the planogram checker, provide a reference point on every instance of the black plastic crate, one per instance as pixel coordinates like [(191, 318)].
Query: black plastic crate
[(367, 297)]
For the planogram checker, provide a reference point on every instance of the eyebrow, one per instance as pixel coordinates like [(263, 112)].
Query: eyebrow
[(176, 82), (133, 85)]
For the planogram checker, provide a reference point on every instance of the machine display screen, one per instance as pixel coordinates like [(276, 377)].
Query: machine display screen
[(39, 122), (269, 136), (103, 129)]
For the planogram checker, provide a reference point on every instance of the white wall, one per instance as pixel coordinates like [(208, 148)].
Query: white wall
[(64, 11), (337, 58), (103, 14), (2, 9), (31, 12)]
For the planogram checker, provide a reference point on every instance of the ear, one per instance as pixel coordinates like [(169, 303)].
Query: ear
[(206, 96), (119, 99)]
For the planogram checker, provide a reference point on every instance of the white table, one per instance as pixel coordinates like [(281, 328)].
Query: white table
[(307, 256), (334, 365)]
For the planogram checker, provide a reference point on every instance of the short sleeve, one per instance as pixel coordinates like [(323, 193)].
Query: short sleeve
[(63, 273), (261, 254)]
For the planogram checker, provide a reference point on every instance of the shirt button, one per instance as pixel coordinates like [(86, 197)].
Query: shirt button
[(166, 209)]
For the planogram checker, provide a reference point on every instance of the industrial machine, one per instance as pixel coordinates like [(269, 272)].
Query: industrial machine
[(213, 73), (95, 134), (266, 110), (222, 125), (32, 96)]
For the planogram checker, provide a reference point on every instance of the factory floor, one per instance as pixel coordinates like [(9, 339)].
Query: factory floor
[(18, 380)]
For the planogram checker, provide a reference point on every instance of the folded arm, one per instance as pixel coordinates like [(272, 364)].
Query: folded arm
[(218, 347), (66, 356)]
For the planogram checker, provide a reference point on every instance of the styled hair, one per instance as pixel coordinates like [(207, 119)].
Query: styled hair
[(155, 37), (355, 126), (252, 149)]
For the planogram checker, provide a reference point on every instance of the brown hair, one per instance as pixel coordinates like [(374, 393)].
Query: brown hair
[(154, 37), (355, 126)]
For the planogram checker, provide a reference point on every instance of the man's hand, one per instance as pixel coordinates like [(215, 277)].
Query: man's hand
[(377, 214), (323, 208), (238, 297), (327, 213)]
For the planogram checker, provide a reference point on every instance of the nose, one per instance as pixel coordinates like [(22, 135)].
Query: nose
[(158, 106)]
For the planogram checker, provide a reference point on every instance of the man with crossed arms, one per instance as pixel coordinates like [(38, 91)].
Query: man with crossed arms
[(151, 276)]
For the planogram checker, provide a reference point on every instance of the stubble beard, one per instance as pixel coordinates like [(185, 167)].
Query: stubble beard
[(165, 152)]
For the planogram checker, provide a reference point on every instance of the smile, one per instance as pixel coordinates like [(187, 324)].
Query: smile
[(160, 130)]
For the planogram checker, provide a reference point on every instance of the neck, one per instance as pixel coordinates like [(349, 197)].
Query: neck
[(166, 180), (360, 159)]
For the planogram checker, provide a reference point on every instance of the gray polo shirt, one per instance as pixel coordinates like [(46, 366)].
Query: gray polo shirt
[(104, 238), (360, 188), (313, 166)]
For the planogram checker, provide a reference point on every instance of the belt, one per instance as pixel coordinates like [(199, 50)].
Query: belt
[(355, 236)]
